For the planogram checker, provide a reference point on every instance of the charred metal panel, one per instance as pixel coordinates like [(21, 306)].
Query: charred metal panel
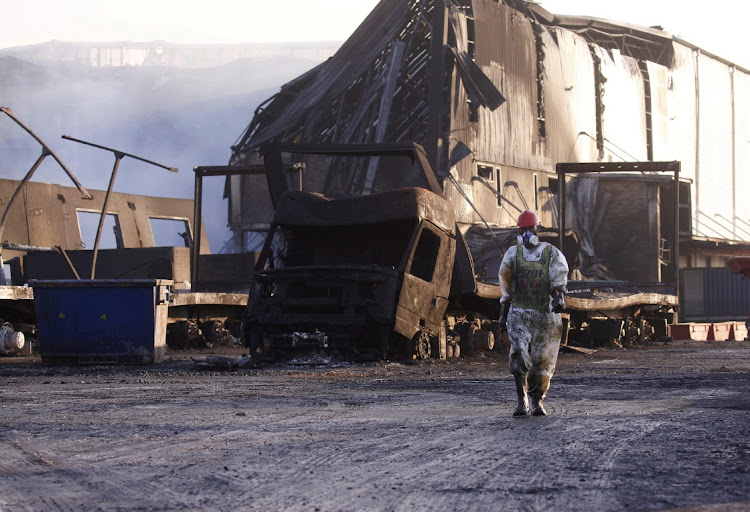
[(506, 52), (424, 293), (171, 263), (660, 81), (623, 122), (638, 42), (683, 117), (480, 90), (254, 209), (742, 152), (48, 215), (569, 98), (305, 209), (714, 174), (620, 226)]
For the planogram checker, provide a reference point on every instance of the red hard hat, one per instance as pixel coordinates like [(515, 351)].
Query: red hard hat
[(528, 219)]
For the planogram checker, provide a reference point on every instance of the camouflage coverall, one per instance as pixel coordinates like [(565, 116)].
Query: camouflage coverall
[(534, 334)]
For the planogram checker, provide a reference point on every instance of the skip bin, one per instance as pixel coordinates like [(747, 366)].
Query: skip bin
[(689, 331), (719, 331), (739, 331), (101, 321)]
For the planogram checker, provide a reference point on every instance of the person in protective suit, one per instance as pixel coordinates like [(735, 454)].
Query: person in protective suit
[(533, 276)]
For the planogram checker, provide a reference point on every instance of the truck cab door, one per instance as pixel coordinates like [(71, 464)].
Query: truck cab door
[(427, 279)]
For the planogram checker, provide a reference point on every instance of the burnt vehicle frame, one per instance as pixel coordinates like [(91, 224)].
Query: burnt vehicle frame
[(366, 275)]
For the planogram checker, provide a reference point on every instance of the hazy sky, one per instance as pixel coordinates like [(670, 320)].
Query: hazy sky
[(717, 27)]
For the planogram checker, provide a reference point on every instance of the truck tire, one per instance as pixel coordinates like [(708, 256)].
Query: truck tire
[(484, 340), (466, 331), (440, 343), (421, 344)]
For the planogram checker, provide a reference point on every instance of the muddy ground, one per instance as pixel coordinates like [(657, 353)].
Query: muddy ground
[(662, 428)]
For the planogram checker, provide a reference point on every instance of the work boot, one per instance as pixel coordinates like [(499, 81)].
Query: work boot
[(523, 399), (537, 406), (539, 387)]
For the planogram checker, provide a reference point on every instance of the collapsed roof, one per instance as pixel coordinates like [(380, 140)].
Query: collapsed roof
[(376, 87)]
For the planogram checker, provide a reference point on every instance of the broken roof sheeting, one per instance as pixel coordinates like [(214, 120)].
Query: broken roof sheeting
[(300, 96), (478, 86), (338, 101), (643, 43)]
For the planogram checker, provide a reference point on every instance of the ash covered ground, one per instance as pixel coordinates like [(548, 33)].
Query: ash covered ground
[(660, 428)]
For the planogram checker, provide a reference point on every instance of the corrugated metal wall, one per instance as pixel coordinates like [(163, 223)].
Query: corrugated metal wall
[(742, 152), (698, 116), (569, 98), (623, 122), (506, 52), (709, 294), (715, 161)]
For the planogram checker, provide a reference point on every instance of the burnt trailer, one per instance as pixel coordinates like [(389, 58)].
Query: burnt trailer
[(635, 295)]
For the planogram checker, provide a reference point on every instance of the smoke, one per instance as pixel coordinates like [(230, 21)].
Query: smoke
[(176, 116)]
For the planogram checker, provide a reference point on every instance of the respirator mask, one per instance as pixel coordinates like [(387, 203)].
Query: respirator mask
[(528, 239)]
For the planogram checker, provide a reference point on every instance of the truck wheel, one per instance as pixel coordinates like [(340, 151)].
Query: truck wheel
[(421, 345), (466, 331), (484, 340), (440, 343)]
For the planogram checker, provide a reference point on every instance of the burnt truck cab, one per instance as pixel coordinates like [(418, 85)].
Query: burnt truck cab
[(369, 275)]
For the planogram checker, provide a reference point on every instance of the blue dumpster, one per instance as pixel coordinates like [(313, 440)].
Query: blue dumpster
[(101, 321)]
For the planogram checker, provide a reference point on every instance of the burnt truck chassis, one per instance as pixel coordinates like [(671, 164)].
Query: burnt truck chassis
[(369, 276), (342, 309), (618, 314)]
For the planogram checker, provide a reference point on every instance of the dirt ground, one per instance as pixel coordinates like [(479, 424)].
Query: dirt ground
[(661, 428)]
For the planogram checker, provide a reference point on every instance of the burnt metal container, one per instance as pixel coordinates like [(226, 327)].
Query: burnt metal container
[(102, 321)]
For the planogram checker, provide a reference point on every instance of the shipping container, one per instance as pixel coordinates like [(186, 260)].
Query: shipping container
[(713, 294)]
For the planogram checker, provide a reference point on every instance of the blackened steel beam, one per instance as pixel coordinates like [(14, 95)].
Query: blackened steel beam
[(171, 169), (84, 193), (438, 41), (197, 219), (119, 155), (228, 170), (580, 168), (118, 158)]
